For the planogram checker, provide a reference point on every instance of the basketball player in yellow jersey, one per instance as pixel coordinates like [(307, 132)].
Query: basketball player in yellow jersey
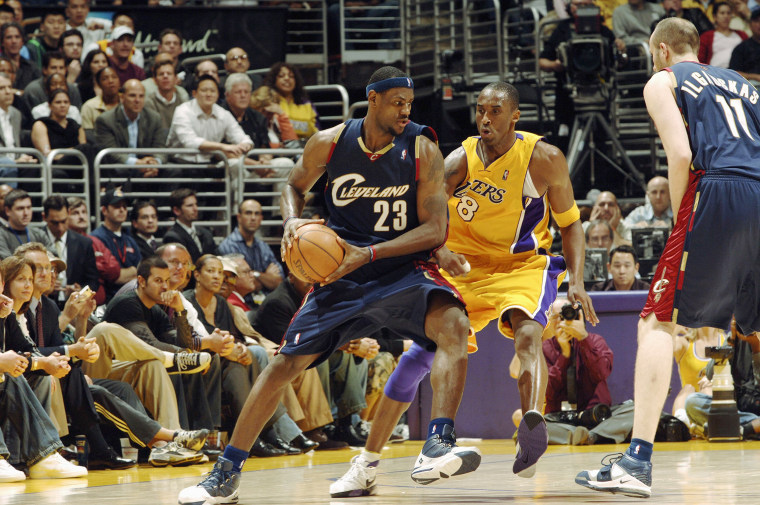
[(503, 186)]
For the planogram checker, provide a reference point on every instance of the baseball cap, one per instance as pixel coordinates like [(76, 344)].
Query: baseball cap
[(58, 263), (228, 265), (120, 31), (112, 197), (755, 13)]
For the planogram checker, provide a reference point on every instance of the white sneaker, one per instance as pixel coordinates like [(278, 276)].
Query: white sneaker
[(55, 467), (189, 362), (441, 458), (8, 473), (359, 480), (173, 455)]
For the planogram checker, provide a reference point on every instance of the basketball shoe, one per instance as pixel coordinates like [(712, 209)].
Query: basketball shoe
[(359, 480), (441, 458), (620, 474), (220, 486), (532, 441)]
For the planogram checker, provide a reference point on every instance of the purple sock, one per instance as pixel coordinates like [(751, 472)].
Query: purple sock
[(237, 456)]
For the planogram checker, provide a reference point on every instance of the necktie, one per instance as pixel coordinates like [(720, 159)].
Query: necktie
[(194, 235), (153, 244), (59, 248), (38, 321)]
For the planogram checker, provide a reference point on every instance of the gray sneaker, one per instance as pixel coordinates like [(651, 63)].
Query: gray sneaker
[(189, 362), (173, 455), (192, 440)]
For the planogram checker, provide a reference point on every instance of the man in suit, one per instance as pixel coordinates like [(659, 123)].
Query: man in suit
[(196, 239), (74, 249), (53, 62), (144, 226), (112, 129), (18, 207), (10, 127)]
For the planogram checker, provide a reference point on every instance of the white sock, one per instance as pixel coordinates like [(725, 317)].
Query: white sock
[(369, 456), (168, 359)]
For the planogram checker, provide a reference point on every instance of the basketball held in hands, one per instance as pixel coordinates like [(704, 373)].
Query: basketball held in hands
[(315, 253)]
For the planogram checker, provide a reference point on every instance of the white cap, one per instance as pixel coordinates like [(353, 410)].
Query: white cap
[(120, 31)]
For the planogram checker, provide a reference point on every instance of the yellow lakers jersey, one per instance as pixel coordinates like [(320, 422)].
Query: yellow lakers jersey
[(488, 214)]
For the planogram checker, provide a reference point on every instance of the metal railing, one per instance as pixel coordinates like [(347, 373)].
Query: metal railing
[(307, 36), (68, 179), (213, 184), (371, 33), (29, 176), (331, 103)]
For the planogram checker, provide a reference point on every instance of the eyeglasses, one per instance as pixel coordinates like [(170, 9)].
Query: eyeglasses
[(239, 57), (177, 264)]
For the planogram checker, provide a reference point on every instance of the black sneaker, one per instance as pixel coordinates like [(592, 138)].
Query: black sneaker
[(189, 362), (220, 486)]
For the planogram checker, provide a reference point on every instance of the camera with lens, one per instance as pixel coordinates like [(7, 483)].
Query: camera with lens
[(587, 58), (570, 313), (723, 416)]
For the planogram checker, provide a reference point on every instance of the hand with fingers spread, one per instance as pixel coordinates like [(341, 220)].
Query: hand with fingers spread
[(289, 232)]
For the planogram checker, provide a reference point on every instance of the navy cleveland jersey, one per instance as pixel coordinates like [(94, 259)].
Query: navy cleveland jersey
[(722, 116), (372, 197)]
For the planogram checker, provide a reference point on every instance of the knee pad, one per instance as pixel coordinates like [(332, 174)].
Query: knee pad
[(412, 368)]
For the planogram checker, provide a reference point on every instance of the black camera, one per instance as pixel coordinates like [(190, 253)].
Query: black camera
[(570, 313), (719, 353)]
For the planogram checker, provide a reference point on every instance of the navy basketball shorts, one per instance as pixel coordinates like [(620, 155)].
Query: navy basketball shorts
[(710, 268), (345, 310)]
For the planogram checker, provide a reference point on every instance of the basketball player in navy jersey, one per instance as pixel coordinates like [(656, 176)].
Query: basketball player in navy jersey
[(709, 121), (387, 202)]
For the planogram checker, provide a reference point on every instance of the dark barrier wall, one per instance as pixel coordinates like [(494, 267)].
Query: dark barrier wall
[(491, 395), (261, 31)]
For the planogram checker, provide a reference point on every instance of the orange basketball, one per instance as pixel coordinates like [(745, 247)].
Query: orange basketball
[(315, 253)]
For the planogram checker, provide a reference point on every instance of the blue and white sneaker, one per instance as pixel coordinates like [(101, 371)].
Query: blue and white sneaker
[(620, 473), (532, 441), (441, 458), (219, 487)]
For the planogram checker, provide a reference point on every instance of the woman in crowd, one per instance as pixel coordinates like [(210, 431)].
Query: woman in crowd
[(52, 83), (239, 368), (57, 130), (716, 46), (94, 61), (294, 101), (281, 133), (108, 81)]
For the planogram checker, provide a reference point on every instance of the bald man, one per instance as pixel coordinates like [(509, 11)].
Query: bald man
[(112, 129), (656, 211)]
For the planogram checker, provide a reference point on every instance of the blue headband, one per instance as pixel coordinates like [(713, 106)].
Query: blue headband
[(393, 82)]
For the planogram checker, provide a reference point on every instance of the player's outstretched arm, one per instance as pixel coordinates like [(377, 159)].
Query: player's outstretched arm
[(662, 107), (455, 166), (302, 177), (548, 168)]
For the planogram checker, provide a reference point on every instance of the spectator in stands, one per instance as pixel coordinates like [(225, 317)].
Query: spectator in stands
[(742, 13), (632, 22), (287, 81), (8, 67), (122, 43), (623, 267), (122, 245), (77, 12), (52, 25), (6, 14), (53, 63), (57, 131), (93, 62), (549, 62), (130, 125), (674, 9), (18, 10), (606, 208), (745, 58), (206, 67), (18, 207), (4, 190), (599, 234), (12, 38), (144, 217), (246, 284), (716, 46), (106, 44), (259, 256), (162, 93), (108, 81), (569, 344), (19, 407), (170, 44), (280, 131), (74, 249), (204, 125), (109, 270), (52, 83), (71, 44), (656, 211), (10, 129), (236, 61), (196, 239)]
